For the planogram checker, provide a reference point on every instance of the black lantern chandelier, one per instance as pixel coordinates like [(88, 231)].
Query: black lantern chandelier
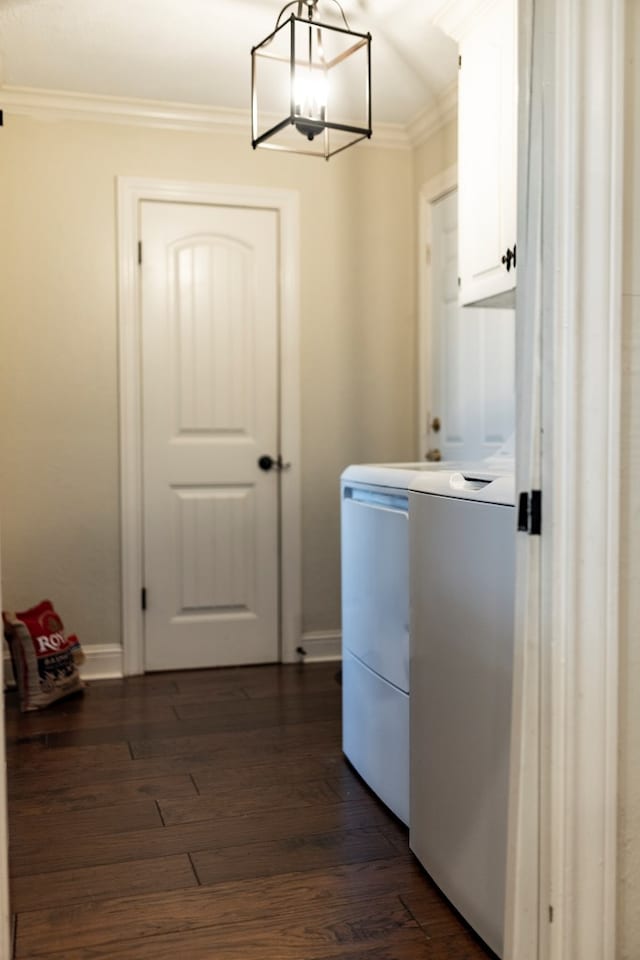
[(311, 84)]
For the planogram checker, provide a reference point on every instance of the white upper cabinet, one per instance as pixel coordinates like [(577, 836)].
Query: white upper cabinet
[(486, 31)]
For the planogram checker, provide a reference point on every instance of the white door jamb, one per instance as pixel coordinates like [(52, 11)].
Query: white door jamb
[(566, 685)]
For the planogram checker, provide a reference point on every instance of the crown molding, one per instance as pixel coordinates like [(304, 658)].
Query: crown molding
[(57, 105), (428, 122)]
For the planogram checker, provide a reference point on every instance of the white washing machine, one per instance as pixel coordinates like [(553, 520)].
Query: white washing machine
[(462, 559), (375, 625)]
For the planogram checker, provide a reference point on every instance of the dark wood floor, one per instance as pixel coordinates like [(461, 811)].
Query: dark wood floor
[(208, 815)]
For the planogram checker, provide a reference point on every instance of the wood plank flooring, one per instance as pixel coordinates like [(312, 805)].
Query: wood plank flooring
[(210, 815)]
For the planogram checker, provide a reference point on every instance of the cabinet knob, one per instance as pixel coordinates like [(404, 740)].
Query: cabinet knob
[(509, 259)]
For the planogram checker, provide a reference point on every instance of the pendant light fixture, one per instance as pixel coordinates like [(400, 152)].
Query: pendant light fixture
[(311, 83)]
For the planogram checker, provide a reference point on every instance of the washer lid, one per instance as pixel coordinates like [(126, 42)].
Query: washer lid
[(401, 475)]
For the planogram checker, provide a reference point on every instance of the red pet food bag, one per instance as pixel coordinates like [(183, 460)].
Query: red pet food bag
[(45, 660)]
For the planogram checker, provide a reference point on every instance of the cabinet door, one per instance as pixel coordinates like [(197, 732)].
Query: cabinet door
[(487, 156)]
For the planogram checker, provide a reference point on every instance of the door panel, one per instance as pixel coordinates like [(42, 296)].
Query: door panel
[(210, 410), (215, 558), (213, 330)]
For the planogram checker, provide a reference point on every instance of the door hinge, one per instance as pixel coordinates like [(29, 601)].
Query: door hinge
[(530, 513), (459, 61), (143, 598), (139, 251)]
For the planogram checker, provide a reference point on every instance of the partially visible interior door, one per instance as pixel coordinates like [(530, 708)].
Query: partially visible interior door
[(210, 325), (472, 360)]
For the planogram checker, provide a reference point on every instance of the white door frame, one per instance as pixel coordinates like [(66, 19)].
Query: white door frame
[(562, 868), (432, 190), (130, 193), (561, 883)]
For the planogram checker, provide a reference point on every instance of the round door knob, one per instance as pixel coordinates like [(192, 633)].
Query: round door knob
[(265, 462)]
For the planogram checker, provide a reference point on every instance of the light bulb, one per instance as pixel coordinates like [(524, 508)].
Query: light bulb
[(310, 94)]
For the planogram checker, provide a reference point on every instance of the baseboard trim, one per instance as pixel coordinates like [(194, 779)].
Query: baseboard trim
[(319, 645), (103, 661)]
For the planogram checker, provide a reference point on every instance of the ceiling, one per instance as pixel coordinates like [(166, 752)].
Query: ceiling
[(198, 51)]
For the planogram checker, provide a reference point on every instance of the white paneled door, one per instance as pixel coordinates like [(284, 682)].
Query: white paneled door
[(209, 412), (472, 358)]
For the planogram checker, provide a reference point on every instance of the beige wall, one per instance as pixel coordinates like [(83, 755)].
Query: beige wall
[(438, 153), (59, 484), (629, 809)]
